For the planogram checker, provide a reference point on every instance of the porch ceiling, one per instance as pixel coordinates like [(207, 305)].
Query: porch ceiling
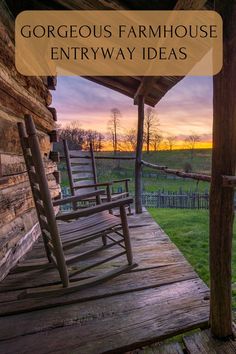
[(129, 86)]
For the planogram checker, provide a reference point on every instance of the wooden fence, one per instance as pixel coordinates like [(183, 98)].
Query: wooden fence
[(166, 199), (180, 200)]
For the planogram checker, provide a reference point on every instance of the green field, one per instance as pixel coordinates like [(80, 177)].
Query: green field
[(189, 230), (154, 180)]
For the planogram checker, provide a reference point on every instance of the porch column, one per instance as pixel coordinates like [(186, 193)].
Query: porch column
[(138, 164), (223, 163)]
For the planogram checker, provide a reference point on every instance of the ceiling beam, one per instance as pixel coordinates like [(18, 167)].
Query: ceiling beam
[(190, 4), (144, 88)]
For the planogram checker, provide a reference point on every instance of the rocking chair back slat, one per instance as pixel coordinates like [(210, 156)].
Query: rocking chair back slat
[(80, 161), (81, 170), (42, 197), (77, 153), (82, 175), (86, 169)]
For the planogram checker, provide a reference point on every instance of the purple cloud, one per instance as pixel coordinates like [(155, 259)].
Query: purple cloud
[(185, 108)]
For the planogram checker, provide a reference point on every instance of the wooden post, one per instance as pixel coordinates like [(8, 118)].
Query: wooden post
[(138, 161), (223, 163)]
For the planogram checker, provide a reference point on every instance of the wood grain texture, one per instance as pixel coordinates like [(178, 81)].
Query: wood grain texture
[(172, 348), (13, 166), (161, 297), (17, 249), (16, 200), (190, 4), (203, 342), (138, 161), (17, 101), (9, 139), (223, 163), (18, 95)]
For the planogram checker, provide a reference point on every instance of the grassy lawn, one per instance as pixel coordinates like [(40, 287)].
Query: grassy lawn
[(188, 229), (154, 180)]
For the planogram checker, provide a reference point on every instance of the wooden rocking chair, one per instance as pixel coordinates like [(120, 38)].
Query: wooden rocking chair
[(63, 231), (82, 173)]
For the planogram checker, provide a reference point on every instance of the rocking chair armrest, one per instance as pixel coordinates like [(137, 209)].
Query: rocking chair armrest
[(122, 180), (76, 198), (95, 209), (107, 184)]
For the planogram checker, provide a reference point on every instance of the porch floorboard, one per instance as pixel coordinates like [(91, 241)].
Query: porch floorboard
[(158, 299)]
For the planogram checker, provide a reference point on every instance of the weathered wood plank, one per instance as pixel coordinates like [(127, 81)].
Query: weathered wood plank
[(12, 165), (80, 161), (13, 231), (130, 282), (9, 138), (172, 348), (53, 112), (34, 85), (13, 254), (18, 102), (16, 200), (203, 342), (190, 4), (32, 279), (162, 298), (18, 95), (223, 163), (83, 326)]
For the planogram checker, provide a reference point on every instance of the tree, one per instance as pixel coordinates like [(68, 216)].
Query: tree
[(171, 141), (113, 126), (156, 141), (74, 135), (130, 139), (100, 140), (151, 124), (94, 137), (191, 141)]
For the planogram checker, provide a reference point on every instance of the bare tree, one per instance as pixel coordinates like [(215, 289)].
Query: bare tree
[(171, 141), (94, 137), (113, 126), (156, 141), (100, 141), (130, 139), (74, 135), (151, 124), (191, 141)]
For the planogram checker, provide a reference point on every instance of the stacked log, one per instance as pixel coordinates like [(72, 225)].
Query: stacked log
[(20, 95)]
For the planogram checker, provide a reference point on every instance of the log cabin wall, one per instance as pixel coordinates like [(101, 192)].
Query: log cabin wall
[(19, 95)]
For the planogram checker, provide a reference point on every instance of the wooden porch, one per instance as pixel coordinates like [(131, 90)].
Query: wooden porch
[(158, 299)]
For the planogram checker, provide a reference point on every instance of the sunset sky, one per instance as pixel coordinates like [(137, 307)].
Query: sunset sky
[(185, 109)]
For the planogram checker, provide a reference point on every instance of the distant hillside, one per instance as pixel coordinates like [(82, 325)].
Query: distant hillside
[(201, 161)]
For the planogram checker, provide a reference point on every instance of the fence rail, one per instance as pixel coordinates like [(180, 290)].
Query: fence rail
[(184, 200), (103, 157), (166, 199), (196, 176)]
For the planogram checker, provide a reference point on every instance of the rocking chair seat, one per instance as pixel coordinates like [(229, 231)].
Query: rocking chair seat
[(76, 231)]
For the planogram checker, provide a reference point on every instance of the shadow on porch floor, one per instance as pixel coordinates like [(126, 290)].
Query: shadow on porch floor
[(160, 298)]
